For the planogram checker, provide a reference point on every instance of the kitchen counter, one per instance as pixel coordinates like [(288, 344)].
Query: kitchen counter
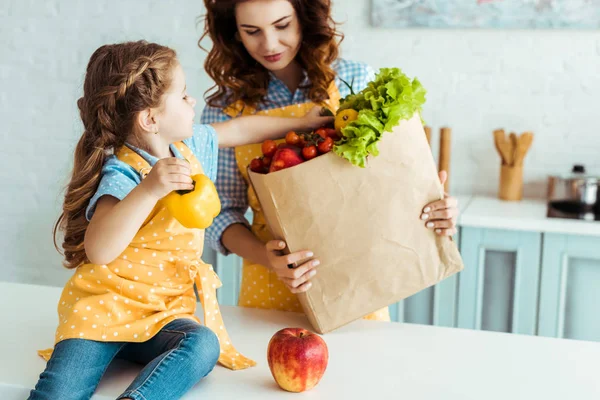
[(368, 359), (525, 215)]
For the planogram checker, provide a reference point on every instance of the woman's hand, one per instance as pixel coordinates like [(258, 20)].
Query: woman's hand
[(442, 215), (297, 278), (314, 120)]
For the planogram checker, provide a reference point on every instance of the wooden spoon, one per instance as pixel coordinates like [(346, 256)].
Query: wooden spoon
[(513, 147), (524, 143), (503, 146)]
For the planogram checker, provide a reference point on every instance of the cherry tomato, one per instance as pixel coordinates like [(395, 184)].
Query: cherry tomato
[(331, 132), (321, 132), (256, 165), (269, 147), (326, 145), (302, 141), (309, 152), (266, 161), (292, 138)]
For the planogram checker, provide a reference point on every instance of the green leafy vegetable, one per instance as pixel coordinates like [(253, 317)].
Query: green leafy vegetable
[(390, 98)]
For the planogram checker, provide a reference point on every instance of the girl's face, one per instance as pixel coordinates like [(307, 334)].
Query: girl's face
[(175, 117), (270, 31)]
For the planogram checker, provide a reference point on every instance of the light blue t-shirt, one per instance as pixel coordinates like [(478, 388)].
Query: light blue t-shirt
[(119, 178)]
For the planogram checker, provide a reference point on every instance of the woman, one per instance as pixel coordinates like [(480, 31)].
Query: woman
[(276, 57)]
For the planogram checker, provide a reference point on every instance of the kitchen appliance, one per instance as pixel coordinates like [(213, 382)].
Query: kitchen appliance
[(575, 195)]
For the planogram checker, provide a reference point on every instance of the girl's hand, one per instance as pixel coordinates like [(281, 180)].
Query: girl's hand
[(297, 279), (314, 120), (442, 215), (168, 174)]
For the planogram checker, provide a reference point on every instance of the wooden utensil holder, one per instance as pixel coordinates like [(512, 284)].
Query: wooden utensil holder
[(511, 182)]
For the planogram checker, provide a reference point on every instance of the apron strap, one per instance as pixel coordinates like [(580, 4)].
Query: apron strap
[(134, 160), (137, 162), (240, 108), (207, 283)]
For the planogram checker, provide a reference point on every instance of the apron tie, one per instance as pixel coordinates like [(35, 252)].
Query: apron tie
[(207, 283)]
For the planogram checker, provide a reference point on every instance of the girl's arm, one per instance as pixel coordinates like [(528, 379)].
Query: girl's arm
[(116, 222), (256, 128)]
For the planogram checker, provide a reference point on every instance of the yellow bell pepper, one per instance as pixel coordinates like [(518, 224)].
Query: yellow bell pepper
[(195, 208), (343, 118)]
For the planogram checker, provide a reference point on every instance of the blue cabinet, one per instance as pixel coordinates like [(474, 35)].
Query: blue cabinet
[(570, 287), (498, 289), (435, 305), (228, 268)]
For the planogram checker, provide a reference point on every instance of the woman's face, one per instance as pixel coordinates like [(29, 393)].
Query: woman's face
[(270, 31)]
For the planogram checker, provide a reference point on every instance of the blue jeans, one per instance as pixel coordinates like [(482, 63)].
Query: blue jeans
[(175, 359)]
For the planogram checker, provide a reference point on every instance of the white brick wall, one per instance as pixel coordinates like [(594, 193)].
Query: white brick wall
[(545, 81)]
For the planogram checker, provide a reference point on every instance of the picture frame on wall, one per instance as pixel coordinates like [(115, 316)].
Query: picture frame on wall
[(486, 14)]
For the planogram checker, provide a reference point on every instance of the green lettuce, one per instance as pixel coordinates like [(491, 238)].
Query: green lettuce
[(390, 98)]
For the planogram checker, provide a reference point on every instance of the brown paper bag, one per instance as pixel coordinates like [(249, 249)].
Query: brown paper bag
[(363, 224)]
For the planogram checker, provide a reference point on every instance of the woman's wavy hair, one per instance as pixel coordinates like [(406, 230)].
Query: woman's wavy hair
[(238, 76), (121, 80)]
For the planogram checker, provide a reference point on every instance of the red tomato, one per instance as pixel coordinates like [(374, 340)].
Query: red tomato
[(326, 145), (309, 152), (302, 141), (266, 161), (331, 132), (269, 147), (256, 165), (321, 132), (292, 138)]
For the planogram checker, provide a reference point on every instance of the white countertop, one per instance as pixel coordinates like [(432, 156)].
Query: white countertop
[(368, 359), (524, 215)]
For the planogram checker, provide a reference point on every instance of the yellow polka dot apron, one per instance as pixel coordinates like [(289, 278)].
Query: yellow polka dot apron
[(261, 288), (149, 285)]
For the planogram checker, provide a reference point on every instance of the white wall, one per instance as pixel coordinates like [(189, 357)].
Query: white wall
[(545, 81)]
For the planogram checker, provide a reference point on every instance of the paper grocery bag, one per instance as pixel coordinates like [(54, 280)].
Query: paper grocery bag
[(363, 224)]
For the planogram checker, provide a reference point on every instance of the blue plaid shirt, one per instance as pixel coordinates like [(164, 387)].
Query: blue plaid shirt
[(230, 184)]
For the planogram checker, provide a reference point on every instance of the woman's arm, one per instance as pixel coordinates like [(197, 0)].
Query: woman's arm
[(256, 128), (231, 186), (238, 239)]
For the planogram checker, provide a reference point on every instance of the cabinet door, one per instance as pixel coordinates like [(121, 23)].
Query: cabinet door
[(435, 305), (570, 287), (498, 289)]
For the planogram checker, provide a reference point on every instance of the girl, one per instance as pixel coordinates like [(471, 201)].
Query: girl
[(276, 57), (132, 293)]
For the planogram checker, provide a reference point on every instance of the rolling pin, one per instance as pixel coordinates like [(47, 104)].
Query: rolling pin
[(444, 158)]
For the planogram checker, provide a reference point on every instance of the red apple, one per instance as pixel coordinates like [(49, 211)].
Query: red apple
[(297, 359)]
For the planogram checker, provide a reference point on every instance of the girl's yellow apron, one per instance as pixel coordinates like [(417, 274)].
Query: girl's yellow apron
[(149, 285), (261, 288)]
